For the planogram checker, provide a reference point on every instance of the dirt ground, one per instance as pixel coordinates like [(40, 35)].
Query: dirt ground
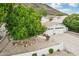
[(34, 44)]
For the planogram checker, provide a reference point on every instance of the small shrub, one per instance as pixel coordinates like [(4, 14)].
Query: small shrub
[(51, 50), (34, 54), (50, 19), (43, 55), (58, 50)]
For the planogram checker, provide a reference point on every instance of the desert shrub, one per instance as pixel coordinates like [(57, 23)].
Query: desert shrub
[(72, 22), (43, 55), (50, 19), (58, 50), (34, 54), (51, 50), (23, 22)]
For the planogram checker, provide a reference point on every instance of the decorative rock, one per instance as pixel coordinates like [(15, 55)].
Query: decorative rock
[(25, 45), (41, 37), (14, 43)]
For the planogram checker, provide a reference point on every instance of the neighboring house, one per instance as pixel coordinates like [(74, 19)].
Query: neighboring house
[(55, 19), (56, 26), (56, 29), (58, 19)]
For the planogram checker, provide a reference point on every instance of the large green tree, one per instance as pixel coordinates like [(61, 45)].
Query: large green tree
[(23, 22), (2, 12), (72, 22)]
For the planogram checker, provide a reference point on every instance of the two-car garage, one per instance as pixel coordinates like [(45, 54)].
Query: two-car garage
[(56, 29)]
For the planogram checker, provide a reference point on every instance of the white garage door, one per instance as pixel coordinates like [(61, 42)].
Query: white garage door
[(58, 31)]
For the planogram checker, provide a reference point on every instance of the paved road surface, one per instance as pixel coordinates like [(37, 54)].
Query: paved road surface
[(71, 43), (70, 39)]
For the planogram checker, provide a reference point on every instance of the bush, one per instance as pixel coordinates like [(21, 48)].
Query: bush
[(2, 13), (23, 22), (43, 55), (34, 54), (58, 50), (42, 12), (72, 22), (51, 50)]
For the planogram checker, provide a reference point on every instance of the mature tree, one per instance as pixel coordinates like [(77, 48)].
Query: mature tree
[(72, 22), (23, 22)]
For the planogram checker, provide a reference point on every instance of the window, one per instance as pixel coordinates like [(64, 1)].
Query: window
[(50, 28), (59, 28)]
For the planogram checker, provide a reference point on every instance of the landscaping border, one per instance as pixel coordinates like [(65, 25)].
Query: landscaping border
[(43, 51)]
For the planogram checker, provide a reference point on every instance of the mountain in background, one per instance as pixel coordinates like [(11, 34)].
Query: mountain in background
[(50, 10)]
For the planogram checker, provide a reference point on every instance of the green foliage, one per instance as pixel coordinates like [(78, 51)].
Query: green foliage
[(51, 50), (34, 54), (60, 14), (72, 22), (41, 12), (2, 12), (23, 22)]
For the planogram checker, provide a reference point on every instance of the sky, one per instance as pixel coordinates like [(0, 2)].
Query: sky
[(68, 8)]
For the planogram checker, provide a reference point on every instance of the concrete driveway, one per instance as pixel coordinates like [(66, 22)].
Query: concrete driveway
[(71, 43)]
